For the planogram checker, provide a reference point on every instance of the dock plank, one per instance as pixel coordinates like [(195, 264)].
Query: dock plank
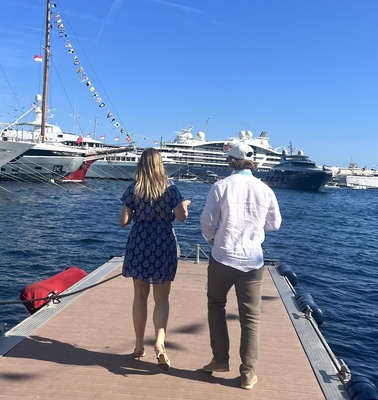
[(84, 352)]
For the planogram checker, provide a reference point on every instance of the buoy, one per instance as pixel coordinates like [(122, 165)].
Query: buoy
[(286, 271), (361, 388), (305, 300), (56, 284)]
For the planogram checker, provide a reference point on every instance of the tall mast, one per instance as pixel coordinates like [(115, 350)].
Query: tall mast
[(46, 70)]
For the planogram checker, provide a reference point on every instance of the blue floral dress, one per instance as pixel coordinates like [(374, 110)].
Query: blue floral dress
[(151, 253)]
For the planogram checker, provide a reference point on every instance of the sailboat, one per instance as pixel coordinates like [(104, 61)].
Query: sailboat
[(38, 165), (52, 155), (43, 161)]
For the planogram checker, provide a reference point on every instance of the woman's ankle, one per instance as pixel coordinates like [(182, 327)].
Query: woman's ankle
[(159, 348)]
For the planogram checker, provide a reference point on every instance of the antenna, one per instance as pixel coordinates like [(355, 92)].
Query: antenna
[(207, 122)]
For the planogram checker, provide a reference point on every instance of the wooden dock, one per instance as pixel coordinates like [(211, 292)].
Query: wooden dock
[(81, 348)]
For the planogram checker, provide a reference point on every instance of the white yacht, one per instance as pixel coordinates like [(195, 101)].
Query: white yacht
[(57, 157), (123, 166), (10, 150), (43, 162), (201, 156), (203, 159), (46, 158), (362, 181), (23, 130)]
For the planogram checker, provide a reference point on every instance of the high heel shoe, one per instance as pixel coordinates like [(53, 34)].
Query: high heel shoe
[(162, 358), (139, 353)]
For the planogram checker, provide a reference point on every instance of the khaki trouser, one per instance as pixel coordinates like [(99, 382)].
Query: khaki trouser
[(248, 292)]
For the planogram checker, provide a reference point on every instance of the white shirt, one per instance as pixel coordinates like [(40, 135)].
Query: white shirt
[(238, 211)]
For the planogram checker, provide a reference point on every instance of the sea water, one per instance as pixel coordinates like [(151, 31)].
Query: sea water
[(328, 238)]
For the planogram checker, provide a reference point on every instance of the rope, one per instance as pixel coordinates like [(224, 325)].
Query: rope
[(55, 298)]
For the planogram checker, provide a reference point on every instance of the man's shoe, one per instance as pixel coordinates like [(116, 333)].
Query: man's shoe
[(216, 367), (248, 382)]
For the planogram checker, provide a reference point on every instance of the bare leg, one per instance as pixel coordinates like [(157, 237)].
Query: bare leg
[(161, 310), (161, 313), (141, 292)]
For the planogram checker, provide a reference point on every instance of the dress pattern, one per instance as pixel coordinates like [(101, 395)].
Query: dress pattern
[(151, 253)]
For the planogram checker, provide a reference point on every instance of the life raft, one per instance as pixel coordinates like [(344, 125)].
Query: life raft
[(36, 295)]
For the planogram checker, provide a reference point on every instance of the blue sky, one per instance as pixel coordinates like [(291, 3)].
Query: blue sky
[(303, 70)]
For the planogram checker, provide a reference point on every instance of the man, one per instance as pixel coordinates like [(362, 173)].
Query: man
[(238, 211)]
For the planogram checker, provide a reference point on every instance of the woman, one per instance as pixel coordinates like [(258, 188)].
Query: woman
[(153, 203)]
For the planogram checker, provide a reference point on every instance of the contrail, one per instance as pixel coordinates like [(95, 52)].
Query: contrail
[(112, 10), (170, 4)]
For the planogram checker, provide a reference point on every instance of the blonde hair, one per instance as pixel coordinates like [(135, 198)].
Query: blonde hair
[(150, 179)]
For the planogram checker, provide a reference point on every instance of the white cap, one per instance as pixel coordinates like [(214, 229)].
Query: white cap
[(241, 151)]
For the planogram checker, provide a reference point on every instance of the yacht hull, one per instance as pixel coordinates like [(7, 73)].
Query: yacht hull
[(42, 163), (10, 150), (308, 180), (298, 180), (123, 170), (359, 181)]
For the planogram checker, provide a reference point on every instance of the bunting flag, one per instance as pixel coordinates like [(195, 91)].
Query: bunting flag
[(38, 58), (82, 75)]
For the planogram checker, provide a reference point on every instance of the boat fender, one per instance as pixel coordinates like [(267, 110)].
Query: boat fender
[(361, 388), (305, 300), (286, 271), (43, 289)]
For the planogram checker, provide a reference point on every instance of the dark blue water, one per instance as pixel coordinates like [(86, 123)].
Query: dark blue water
[(329, 239)]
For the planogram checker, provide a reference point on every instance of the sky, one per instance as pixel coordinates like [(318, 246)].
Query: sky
[(305, 71)]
